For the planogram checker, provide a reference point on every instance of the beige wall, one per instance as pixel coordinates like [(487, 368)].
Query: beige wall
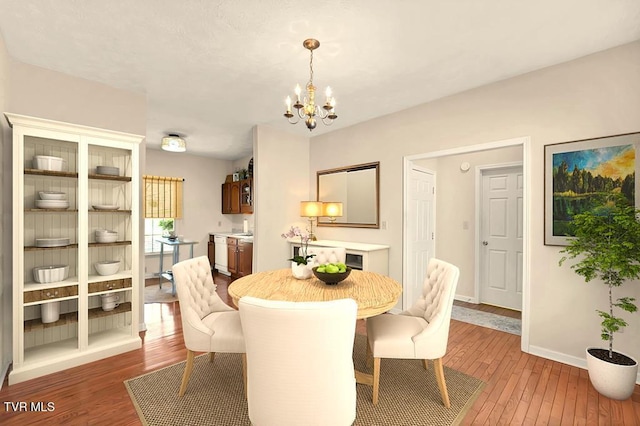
[(593, 96), (281, 170), (202, 199)]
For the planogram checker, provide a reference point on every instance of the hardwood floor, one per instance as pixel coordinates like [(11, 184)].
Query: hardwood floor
[(520, 388)]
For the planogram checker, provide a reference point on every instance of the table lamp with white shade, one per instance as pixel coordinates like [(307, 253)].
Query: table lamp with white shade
[(311, 210), (332, 210)]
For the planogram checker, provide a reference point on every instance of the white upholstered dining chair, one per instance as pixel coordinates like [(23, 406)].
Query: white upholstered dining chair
[(328, 255), (300, 361), (208, 324), (421, 332)]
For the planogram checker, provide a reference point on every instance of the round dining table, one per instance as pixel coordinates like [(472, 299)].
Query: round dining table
[(374, 293)]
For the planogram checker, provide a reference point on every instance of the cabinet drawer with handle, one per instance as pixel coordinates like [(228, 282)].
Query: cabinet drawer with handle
[(50, 293), (109, 285)]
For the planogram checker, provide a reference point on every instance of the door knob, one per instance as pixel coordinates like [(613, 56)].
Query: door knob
[(485, 243)]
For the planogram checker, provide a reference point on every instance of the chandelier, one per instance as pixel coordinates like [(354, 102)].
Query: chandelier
[(307, 109)]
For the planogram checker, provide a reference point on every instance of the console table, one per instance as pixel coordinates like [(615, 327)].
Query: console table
[(362, 256), (175, 258)]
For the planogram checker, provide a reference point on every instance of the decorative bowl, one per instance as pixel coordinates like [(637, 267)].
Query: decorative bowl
[(104, 236), (50, 274), (52, 195), (48, 162), (331, 279), (107, 267)]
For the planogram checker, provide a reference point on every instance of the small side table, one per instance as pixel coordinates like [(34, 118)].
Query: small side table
[(168, 275)]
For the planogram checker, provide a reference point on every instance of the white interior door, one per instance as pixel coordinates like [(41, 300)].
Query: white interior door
[(420, 230), (501, 237)]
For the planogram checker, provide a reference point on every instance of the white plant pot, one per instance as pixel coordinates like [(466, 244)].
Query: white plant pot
[(301, 272), (612, 380)]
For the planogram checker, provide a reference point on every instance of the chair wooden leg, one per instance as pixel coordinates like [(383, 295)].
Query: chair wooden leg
[(187, 372), (369, 354), (211, 356), (439, 371), (376, 379), (425, 364), (244, 373)]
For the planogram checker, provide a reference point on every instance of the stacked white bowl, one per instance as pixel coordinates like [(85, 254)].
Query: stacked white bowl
[(52, 200), (105, 236), (48, 162), (107, 267)]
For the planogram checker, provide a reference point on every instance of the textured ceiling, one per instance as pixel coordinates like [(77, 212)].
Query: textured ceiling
[(212, 69)]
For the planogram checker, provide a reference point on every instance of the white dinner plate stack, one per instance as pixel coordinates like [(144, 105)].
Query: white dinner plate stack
[(52, 200)]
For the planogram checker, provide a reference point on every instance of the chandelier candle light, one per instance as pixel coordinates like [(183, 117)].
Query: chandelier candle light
[(307, 109)]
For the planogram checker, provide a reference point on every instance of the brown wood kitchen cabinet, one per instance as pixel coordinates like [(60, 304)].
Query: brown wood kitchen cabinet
[(237, 197), (239, 257), (231, 197)]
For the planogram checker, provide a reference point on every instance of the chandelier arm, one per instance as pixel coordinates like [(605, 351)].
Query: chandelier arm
[(329, 122), (321, 113), (292, 121), (301, 114)]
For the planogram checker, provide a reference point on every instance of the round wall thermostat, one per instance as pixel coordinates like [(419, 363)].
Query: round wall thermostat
[(465, 166)]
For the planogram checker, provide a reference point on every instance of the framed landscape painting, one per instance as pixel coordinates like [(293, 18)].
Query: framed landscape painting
[(582, 176)]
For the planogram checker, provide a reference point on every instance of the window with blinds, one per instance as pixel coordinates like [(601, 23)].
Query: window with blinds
[(162, 200), (162, 197)]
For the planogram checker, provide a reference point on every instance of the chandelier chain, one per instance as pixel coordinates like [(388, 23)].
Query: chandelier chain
[(311, 69)]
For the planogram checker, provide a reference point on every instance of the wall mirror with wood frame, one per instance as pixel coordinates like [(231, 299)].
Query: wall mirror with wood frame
[(357, 187)]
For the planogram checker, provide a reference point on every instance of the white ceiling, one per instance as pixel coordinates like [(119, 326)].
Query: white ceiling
[(212, 69)]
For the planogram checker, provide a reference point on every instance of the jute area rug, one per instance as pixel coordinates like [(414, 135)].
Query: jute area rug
[(408, 395), (155, 294)]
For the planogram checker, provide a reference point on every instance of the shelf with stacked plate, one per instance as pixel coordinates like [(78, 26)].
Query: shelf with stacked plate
[(76, 245)]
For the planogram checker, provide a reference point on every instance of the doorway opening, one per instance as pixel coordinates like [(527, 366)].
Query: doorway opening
[(457, 232)]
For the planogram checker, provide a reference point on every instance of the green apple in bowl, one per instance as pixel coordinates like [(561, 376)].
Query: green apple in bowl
[(331, 273)]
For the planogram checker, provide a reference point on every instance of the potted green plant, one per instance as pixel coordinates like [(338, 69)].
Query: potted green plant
[(167, 227), (607, 245)]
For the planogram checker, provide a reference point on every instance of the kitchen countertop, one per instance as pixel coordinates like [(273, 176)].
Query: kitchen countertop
[(239, 235)]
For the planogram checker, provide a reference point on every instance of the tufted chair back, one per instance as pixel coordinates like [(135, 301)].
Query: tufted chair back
[(420, 332), (328, 255), (436, 303), (198, 298), (300, 361)]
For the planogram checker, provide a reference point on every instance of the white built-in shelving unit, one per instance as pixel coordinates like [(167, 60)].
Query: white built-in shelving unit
[(84, 332)]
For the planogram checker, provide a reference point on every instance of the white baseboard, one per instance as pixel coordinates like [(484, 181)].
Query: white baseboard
[(467, 299), (563, 358)]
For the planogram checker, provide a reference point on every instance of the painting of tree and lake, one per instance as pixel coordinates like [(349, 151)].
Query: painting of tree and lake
[(584, 180)]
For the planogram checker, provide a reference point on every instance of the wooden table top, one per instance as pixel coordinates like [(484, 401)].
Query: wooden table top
[(374, 293)]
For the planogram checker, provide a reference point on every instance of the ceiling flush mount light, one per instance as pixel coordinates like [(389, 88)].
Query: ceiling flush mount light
[(173, 143), (307, 109)]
